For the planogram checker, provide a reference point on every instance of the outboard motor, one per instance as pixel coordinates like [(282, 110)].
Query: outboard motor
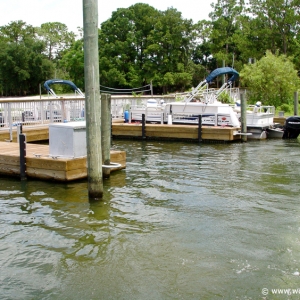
[(291, 128)]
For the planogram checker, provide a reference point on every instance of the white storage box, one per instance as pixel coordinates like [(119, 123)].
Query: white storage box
[(67, 139)]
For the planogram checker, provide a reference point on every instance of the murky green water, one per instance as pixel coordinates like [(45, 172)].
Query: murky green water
[(183, 221)]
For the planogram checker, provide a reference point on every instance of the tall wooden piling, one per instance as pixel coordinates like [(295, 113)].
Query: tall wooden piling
[(296, 104), (92, 99), (199, 128), (143, 126), (106, 132), (243, 117)]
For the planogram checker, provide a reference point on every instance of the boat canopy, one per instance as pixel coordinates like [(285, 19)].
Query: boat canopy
[(222, 71), (210, 78), (61, 81)]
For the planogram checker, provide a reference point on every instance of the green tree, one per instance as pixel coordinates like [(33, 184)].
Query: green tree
[(56, 37), (72, 63), (224, 22), (169, 52), (271, 80), (202, 59), (277, 22), (122, 41), (22, 62), (141, 44)]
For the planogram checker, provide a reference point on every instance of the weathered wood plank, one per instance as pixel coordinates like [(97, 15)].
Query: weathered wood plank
[(176, 131), (39, 133), (11, 170)]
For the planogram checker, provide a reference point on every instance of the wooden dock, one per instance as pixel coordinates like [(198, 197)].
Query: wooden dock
[(136, 131), (39, 164), (176, 132), (42, 166)]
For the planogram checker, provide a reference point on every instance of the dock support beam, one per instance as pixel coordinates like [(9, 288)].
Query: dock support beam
[(143, 126), (22, 144), (92, 99), (106, 132), (200, 129), (243, 117), (296, 104)]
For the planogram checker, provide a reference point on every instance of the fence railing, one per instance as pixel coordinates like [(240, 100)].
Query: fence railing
[(38, 111)]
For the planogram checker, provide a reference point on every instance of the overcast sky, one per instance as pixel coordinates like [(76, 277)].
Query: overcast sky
[(69, 12)]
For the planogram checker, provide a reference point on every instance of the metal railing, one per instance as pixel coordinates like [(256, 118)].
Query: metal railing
[(38, 111)]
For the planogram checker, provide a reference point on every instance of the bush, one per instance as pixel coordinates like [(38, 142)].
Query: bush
[(225, 98), (285, 107)]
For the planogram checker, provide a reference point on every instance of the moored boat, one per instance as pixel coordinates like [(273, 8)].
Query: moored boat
[(260, 121), (201, 101), (61, 81)]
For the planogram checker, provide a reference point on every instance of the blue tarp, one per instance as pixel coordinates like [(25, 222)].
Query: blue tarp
[(221, 71)]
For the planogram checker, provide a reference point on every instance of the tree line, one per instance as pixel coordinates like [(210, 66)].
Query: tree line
[(140, 44)]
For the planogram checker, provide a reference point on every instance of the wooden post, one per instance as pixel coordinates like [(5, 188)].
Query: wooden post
[(111, 133), (22, 146), (143, 126), (296, 104), (223, 76), (200, 129), (243, 117), (106, 132), (92, 99)]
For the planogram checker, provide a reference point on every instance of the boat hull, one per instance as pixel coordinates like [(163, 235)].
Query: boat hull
[(257, 133), (275, 133)]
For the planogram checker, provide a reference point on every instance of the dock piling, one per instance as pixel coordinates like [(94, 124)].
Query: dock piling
[(199, 128), (243, 117), (92, 99), (106, 132), (22, 145), (143, 126), (296, 104)]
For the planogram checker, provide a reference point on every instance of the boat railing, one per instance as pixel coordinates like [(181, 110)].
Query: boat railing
[(152, 113), (262, 109), (209, 96)]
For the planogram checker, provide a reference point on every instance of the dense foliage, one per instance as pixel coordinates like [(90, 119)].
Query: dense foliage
[(141, 44), (272, 80)]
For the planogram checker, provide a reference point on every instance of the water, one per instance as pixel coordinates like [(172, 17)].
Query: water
[(183, 221)]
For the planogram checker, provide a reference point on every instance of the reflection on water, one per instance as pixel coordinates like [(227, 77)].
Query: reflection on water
[(183, 221)]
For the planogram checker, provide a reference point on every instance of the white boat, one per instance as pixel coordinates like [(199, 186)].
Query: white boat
[(204, 102), (260, 121), (200, 102)]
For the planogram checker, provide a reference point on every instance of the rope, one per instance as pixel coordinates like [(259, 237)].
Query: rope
[(125, 91)]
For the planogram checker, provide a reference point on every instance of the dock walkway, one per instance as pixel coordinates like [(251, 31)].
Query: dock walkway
[(42, 166)]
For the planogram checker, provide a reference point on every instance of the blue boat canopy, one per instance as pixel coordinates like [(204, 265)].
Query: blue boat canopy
[(61, 81), (222, 71)]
